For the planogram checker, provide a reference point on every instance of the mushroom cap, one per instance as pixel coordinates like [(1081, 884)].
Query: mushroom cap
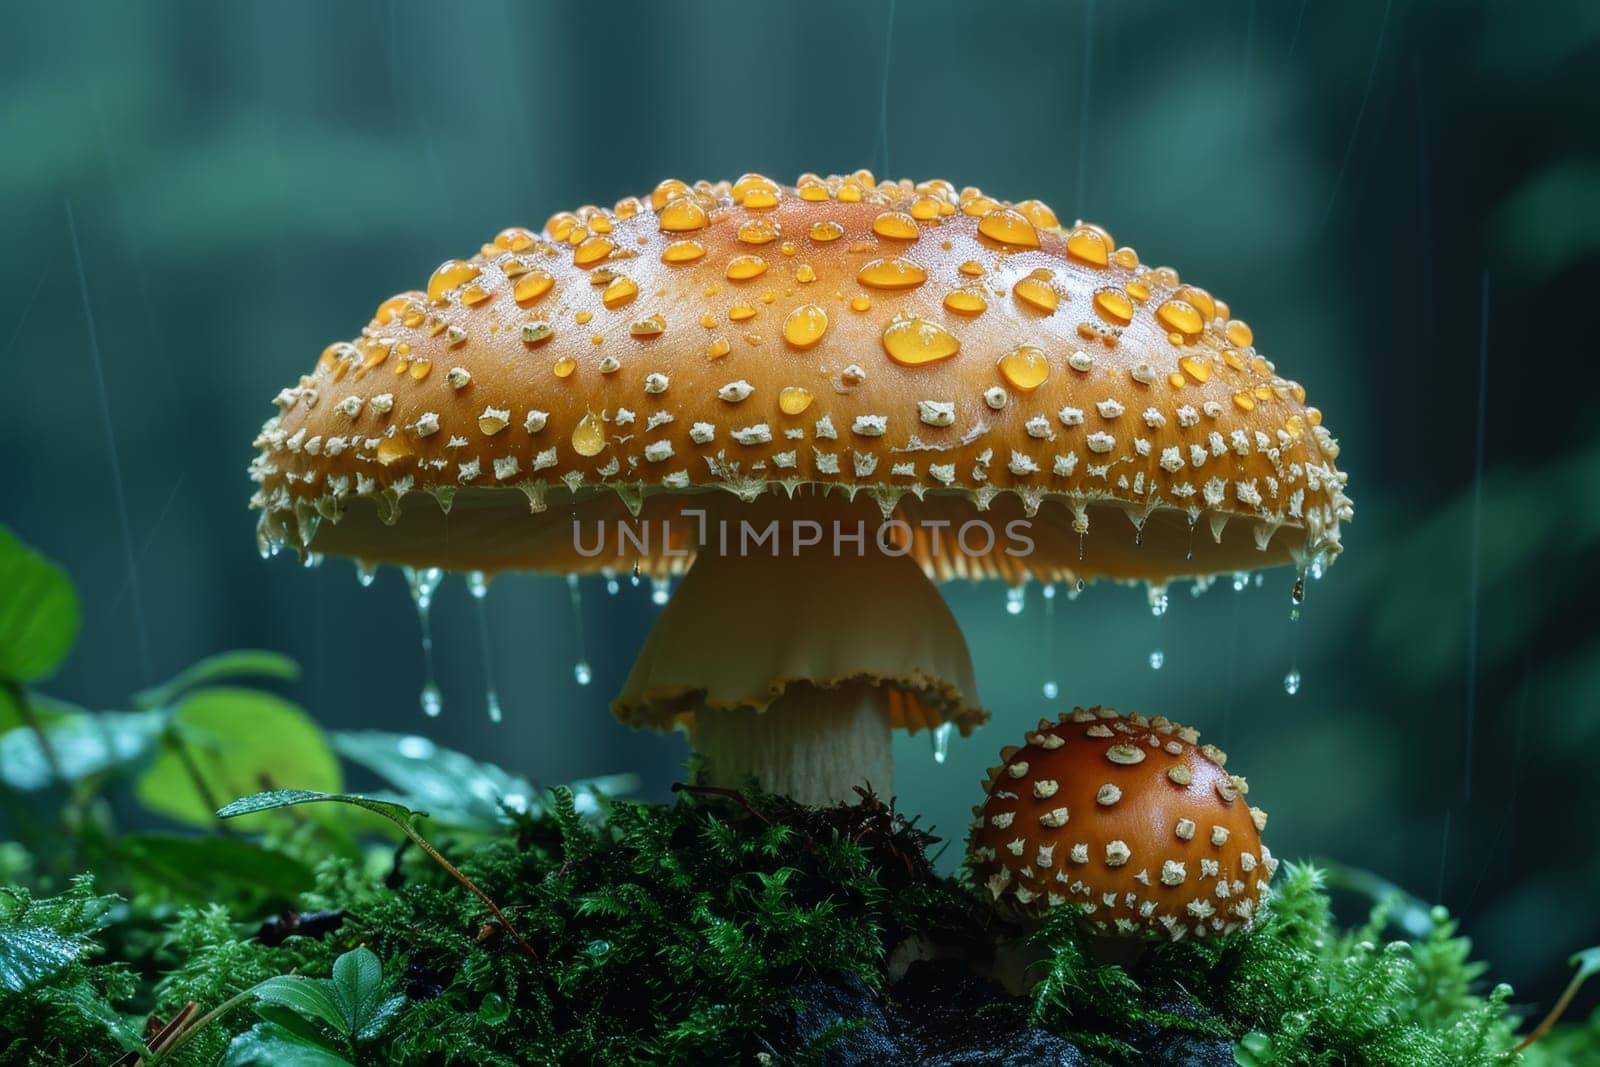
[(1129, 817), (952, 356)]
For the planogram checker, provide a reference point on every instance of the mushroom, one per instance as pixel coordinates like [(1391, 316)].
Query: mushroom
[(960, 386), (1129, 817)]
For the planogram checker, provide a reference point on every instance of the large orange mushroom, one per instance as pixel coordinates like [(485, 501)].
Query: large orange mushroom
[(960, 386)]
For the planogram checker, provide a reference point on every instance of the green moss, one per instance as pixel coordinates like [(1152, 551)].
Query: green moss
[(689, 933)]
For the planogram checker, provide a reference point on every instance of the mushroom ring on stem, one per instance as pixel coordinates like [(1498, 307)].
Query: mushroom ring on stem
[(895, 351)]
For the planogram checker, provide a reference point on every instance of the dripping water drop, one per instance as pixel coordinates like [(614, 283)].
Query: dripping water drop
[(313, 560), (1016, 599), (1158, 659), (580, 669), (613, 586), (1291, 682), (478, 586), (1158, 600), (939, 736), (1051, 690), (424, 582), (660, 591), (1241, 579), (366, 573)]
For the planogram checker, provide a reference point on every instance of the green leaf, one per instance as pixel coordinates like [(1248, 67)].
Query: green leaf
[(454, 788), (83, 744), (357, 985), (313, 998), (41, 938), (224, 666), (283, 798), (198, 867), (457, 790), (268, 1044), (238, 740), (38, 613), (30, 955)]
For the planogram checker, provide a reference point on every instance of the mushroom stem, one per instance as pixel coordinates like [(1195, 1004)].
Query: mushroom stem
[(815, 745), (791, 663)]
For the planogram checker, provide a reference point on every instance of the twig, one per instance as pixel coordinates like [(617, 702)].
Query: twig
[(718, 791), (1550, 1020), (192, 769), (19, 696), (471, 886)]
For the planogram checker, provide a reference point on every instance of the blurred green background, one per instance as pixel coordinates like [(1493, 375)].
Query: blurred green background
[(1400, 197)]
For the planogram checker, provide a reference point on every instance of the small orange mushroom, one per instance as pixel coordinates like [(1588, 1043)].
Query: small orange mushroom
[(1128, 816)]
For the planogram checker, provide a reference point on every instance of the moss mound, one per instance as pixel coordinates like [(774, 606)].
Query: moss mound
[(731, 928)]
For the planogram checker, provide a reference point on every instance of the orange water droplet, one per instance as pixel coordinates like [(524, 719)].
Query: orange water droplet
[(718, 348), (1196, 368), (743, 268), (1038, 213), (531, 286), (793, 400), (978, 204), (1009, 227), (827, 231), (394, 449), (1314, 416), (805, 326), (663, 192), (741, 312), (1233, 359), (925, 209), (1244, 401), (592, 250), (1139, 291), (1240, 333), (680, 252), (589, 436), (860, 303), (474, 295), (891, 273), (1025, 368), (1086, 245), (561, 224), (1037, 294), (1113, 305), (514, 238), (681, 215), (755, 190), (914, 342), (1199, 299), (972, 268), (600, 224), (814, 190), (1180, 318), (849, 192), (419, 369), (451, 273), (564, 367), (708, 320), (619, 292), (1125, 257), (896, 224), (965, 302), (1176, 380), (1166, 276), (804, 273), (758, 231), (390, 308)]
